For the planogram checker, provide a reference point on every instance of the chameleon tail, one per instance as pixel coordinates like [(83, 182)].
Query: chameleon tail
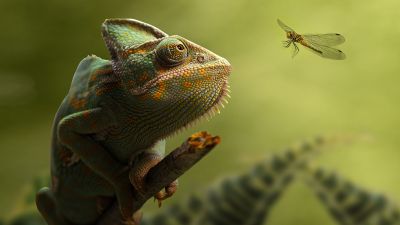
[(348, 203), (243, 199)]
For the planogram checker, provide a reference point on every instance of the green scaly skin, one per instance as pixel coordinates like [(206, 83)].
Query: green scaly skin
[(244, 199), (350, 204), (118, 112)]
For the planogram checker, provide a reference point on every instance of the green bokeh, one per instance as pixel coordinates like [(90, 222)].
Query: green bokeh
[(276, 100)]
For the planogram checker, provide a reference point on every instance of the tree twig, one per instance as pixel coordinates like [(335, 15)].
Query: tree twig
[(165, 172)]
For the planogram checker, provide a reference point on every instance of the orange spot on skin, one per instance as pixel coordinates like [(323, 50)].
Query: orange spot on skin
[(100, 72), (78, 103), (187, 73), (160, 91), (128, 52), (202, 71), (187, 84)]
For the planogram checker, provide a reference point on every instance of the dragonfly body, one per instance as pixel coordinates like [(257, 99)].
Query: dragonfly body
[(294, 38), (320, 44)]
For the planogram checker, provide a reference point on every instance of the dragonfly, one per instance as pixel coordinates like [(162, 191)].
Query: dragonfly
[(320, 44)]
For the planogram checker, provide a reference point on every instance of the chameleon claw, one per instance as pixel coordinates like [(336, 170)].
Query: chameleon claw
[(169, 191), (159, 201)]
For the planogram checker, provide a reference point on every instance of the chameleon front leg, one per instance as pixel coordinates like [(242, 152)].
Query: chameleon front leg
[(73, 132), (138, 176), (143, 164)]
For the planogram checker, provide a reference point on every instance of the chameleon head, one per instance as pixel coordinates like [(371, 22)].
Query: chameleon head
[(169, 77)]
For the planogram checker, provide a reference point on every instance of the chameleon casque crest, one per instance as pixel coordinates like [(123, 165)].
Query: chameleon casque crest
[(118, 112)]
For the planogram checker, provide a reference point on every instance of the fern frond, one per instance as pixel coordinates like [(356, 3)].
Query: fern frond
[(348, 203)]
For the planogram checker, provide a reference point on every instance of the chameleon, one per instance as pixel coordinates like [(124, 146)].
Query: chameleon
[(348, 203), (117, 114)]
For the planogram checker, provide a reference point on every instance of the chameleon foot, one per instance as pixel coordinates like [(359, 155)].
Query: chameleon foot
[(138, 174), (169, 191)]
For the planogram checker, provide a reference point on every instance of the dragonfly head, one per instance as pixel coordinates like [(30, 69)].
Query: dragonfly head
[(289, 35)]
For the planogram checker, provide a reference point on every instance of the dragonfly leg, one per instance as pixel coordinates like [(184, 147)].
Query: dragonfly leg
[(296, 50), (287, 43)]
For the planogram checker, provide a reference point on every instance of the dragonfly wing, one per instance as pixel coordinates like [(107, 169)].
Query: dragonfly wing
[(284, 26), (331, 39), (325, 51)]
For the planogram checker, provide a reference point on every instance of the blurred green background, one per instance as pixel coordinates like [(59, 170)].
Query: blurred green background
[(276, 100)]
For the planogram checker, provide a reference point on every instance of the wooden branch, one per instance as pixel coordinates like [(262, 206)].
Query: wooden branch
[(165, 172)]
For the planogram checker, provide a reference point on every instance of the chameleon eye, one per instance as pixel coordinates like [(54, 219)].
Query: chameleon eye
[(171, 52)]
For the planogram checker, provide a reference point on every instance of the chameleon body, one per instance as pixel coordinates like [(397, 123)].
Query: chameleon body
[(118, 112)]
